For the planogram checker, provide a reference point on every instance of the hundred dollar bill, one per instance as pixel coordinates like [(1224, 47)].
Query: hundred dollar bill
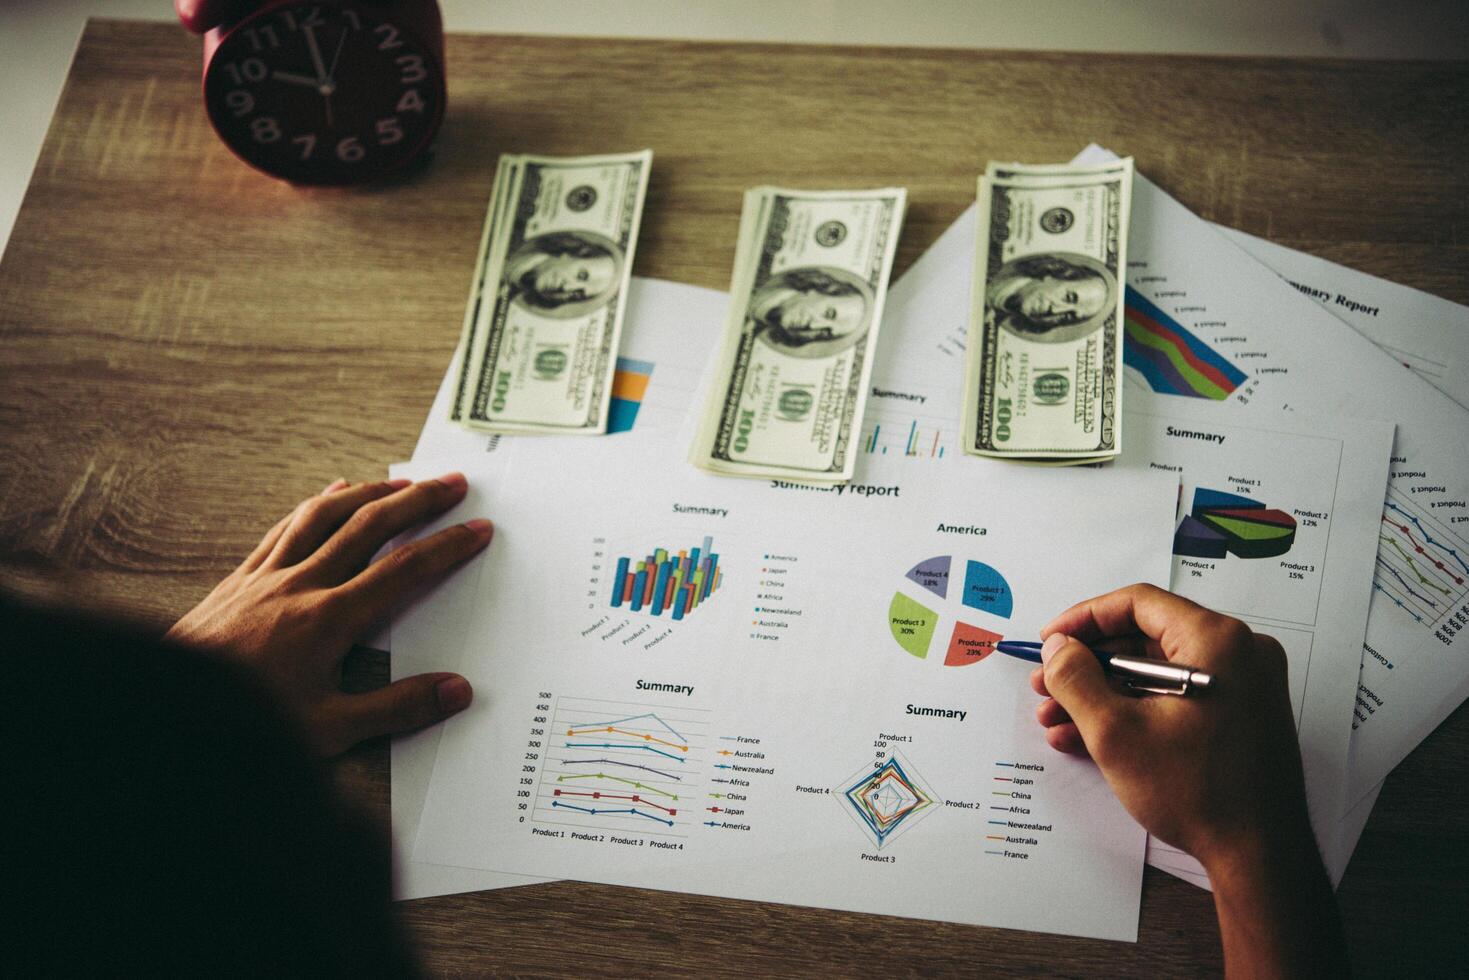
[(811, 272), (544, 317), (1045, 343)]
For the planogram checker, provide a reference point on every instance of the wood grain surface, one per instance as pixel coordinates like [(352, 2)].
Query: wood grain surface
[(189, 348)]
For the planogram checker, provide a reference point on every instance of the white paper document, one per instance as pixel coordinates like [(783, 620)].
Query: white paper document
[(793, 678), (652, 389), (445, 611), (1427, 334)]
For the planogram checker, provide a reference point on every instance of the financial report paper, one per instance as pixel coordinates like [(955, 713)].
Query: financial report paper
[(657, 371), (1428, 335), (729, 679)]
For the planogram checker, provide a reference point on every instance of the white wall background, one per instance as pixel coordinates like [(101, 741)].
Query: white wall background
[(37, 37)]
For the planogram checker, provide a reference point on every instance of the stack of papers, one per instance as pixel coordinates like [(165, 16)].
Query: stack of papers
[(778, 692)]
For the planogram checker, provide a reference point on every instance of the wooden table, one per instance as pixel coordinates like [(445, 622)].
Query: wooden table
[(189, 348)]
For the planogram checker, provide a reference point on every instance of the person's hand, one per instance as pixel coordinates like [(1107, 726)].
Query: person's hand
[(1201, 772), (1217, 774), (294, 607)]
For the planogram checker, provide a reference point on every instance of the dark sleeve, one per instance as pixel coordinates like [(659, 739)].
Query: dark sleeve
[(165, 818)]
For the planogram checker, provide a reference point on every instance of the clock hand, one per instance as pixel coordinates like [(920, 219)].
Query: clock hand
[(294, 79), (321, 75), (331, 74)]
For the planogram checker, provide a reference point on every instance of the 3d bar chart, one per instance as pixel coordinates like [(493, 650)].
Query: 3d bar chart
[(661, 581)]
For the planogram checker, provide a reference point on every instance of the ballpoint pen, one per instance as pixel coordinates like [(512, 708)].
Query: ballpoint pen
[(1139, 673)]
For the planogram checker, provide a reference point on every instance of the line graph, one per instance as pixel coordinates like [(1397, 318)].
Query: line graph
[(1421, 566), (622, 768)]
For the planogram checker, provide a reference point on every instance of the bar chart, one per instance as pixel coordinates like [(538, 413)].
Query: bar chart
[(629, 384), (662, 580), (909, 441)]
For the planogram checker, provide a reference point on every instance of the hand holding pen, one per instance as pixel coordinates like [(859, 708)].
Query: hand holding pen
[(1218, 775)]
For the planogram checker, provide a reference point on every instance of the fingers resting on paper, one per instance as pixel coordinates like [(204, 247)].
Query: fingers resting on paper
[(294, 606)]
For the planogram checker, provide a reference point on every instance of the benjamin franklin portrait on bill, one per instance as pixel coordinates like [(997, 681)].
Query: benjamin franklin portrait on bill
[(811, 312), (1052, 298), (564, 274)]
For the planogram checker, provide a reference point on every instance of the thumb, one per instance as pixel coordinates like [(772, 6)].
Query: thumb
[(409, 704), (1075, 679)]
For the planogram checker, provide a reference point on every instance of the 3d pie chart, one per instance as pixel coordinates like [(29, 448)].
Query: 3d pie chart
[(941, 608), (1223, 524)]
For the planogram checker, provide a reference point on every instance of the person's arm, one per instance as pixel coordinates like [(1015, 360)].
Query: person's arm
[(294, 607), (1218, 774)]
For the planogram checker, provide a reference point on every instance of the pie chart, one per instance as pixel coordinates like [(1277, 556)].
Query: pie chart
[(1223, 524), (940, 609)]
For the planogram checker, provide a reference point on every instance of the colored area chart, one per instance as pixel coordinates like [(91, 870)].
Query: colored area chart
[(1222, 524), (1173, 360), (622, 767), (914, 624), (1421, 567), (629, 383), (665, 582), (886, 799)]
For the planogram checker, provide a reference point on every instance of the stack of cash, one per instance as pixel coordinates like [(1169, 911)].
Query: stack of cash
[(545, 309), (811, 271), (1043, 378)]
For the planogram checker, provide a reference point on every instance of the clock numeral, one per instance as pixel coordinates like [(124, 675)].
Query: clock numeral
[(307, 144), (265, 130), (249, 70), (263, 31), (388, 131), (350, 151), (391, 39), (240, 101), (413, 70), (351, 15), (411, 101), (311, 19)]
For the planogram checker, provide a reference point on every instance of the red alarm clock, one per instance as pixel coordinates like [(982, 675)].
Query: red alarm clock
[(332, 92)]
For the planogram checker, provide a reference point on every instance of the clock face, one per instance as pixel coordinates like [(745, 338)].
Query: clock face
[(324, 93)]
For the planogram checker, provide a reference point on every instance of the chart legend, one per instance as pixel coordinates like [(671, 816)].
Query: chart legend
[(664, 581), (1170, 358)]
